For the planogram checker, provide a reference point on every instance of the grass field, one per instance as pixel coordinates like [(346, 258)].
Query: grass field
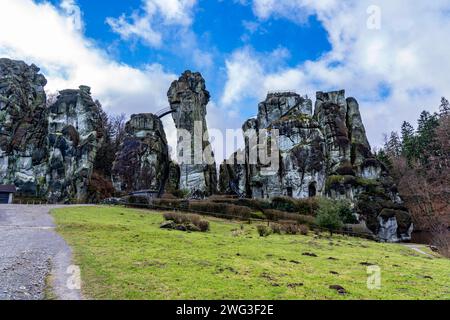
[(123, 254)]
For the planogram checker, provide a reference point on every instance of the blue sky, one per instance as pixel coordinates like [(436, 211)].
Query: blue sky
[(220, 27), (390, 55)]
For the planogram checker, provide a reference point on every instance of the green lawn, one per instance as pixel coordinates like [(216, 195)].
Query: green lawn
[(123, 254)]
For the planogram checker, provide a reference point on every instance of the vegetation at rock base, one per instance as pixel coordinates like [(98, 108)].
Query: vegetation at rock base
[(123, 254)]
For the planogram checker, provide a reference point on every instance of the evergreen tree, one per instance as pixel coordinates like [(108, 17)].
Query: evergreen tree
[(444, 108), (393, 145), (426, 133), (384, 158), (409, 149)]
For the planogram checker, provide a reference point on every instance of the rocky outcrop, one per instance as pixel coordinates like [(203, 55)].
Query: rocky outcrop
[(23, 127), (188, 99), (325, 154), (233, 175), (142, 162), (74, 135), (301, 165)]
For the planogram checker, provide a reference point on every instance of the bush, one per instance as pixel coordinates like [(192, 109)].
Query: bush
[(263, 231), (255, 204), (276, 228), (304, 229), (188, 220), (137, 200), (276, 215), (342, 206), (307, 206), (290, 228), (328, 216), (302, 206), (224, 210), (284, 204), (180, 194), (203, 225), (170, 203)]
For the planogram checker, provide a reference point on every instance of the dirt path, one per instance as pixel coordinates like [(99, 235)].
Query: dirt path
[(32, 252), (416, 248)]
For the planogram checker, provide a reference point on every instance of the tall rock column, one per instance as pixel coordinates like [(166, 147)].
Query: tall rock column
[(74, 135), (188, 99), (23, 127)]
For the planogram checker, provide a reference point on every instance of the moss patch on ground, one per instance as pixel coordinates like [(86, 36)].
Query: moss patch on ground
[(123, 254)]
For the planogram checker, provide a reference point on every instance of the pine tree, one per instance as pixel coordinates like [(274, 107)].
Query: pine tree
[(393, 145), (426, 132), (408, 141), (444, 108)]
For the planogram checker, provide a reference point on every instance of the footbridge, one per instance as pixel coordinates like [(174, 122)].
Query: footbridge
[(164, 112)]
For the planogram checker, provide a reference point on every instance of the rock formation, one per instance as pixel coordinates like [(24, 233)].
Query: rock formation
[(143, 160), (74, 136), (188, 99), (325, 154), (23, 127)]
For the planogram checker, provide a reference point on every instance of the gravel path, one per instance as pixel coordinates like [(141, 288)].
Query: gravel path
[(31, 252)]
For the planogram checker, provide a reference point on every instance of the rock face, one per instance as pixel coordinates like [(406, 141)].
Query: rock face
[(47, 152), (74, 136), (23, 127), (233, 175), (143, 160), (188, 99), (325, 154)]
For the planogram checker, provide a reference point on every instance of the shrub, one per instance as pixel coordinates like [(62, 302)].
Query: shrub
[(276, 215), (284, 204), (188, 220), (342, 206), (328, 216), (308, 220), (170, 203), (203, 225), (276, 228), (180, 194), (290, 228), (137, 200), (224, 210), (263, 231), (256, 204), (307, 206), (303, 229)]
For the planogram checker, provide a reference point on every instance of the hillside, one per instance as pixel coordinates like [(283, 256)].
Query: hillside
[(123, 254)]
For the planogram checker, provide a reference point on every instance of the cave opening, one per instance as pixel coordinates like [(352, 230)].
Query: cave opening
[(312, 190)]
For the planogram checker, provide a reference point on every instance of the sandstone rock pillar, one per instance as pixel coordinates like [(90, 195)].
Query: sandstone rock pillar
[(188, 99)]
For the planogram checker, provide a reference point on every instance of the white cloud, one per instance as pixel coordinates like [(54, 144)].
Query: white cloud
[(149, 26), (52, 39), (408, 55)]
